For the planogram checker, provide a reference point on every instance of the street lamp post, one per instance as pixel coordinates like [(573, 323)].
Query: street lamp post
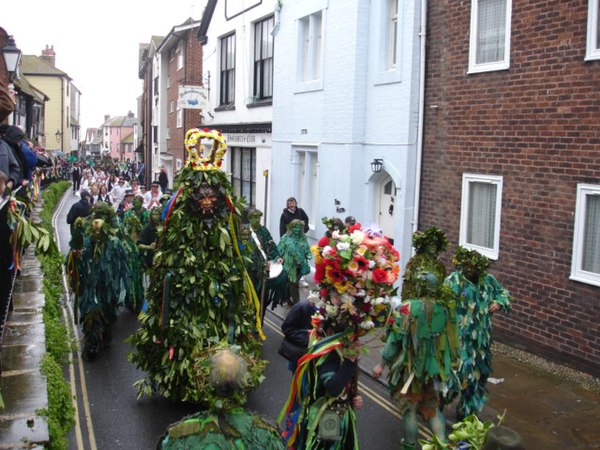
[(12, 58)]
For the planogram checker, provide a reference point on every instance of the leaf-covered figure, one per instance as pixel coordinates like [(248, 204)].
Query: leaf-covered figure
[(101, 283), (226, 425), (200, 294), (478, 294)]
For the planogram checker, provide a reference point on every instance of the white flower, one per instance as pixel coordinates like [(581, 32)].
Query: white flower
[(378, 301), (367, 325), (371, 264), (357, 237), (341, 246), (367, 299), (335, 235), (331, 310), (327, 250), (313, 297)]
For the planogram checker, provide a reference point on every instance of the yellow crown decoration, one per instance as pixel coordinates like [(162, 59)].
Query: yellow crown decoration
[(197, 159)]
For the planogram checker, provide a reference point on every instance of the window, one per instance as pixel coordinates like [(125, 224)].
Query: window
[(179, 52), (227, 95), (480, 214), (307, 163), (489, 47), (593, 31), (243, 170), (263, 59), (311, 46), (171, 106), (585, 265), (392, 34), (179, 117)]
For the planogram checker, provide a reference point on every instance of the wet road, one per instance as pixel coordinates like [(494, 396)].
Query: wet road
[(111, 416)]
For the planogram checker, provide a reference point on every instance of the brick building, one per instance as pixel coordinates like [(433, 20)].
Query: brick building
[(511, 160), (166, 64)]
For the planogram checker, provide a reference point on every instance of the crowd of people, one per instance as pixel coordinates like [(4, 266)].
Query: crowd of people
[(438, 333)]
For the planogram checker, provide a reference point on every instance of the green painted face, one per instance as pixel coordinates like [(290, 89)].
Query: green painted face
[(254, 221)]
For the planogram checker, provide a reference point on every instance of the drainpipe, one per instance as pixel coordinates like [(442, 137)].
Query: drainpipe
[(422, 35)]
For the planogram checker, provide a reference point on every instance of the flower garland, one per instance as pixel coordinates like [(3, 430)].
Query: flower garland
[(196, 159), (356, 273)]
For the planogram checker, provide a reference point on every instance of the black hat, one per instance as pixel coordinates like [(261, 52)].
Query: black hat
[(155, 183), (350, 220), (129, 192)]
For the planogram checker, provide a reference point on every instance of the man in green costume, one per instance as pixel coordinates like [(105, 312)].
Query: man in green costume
[(200, 294), (263, 252), (478, 295), (421, 353)]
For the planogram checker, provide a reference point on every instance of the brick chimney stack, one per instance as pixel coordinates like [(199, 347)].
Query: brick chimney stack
[(49, 55), (130, 115)]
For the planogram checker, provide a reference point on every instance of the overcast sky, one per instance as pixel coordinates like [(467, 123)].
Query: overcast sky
[(96, 44)]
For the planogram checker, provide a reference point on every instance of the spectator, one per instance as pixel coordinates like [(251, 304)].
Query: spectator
[(163, 179), (9, 165), (76, 177), (292, 212), (153, 196), (104, 196), (296, 327)]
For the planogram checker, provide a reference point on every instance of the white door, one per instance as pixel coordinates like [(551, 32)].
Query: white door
[(386, 210)]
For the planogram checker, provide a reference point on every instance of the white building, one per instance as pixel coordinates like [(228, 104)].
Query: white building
[(238, 48), (347, 91)]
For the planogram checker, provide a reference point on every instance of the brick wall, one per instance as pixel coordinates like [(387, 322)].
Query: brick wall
[(536, 125), (191, 74)]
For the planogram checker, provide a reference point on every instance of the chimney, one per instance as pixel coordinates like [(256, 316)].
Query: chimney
[(106, 117), (49, 55), (130, 115)]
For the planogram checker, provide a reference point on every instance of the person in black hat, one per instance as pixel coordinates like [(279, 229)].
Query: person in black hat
[(153, 196), (126, 204)]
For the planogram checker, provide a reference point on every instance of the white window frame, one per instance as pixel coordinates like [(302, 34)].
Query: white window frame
[(490, 252), (306, 163), (388, 65), (593, 41), (180, 55), (584, 191), (489, 66), (179, 117), (311, 45), (391, 52)]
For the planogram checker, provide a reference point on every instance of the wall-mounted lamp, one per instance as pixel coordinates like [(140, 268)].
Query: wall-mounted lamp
[(12, 57), (58, 135), (377, 165)]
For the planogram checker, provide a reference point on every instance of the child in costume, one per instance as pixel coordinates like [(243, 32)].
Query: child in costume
[(478, 295), (421, 352), (295, 251)]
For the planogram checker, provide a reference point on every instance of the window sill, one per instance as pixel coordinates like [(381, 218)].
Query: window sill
[(491, 67), (228, 107), (592, 279), (260, 103)]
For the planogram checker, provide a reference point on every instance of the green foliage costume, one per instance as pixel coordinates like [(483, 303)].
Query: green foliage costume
[(200, 294), (475, 291), (421, 352), (102, 284), (225, 425)]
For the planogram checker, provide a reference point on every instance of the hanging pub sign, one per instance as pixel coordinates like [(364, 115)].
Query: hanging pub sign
[(192, 97)]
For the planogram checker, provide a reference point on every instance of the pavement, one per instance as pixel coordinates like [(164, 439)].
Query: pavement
[(549, 410)]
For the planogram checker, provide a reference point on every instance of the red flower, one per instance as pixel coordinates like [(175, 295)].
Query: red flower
[(380, 276), (323, 293), (319, 272), (405, 309), (354, 227), (323, 241)]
